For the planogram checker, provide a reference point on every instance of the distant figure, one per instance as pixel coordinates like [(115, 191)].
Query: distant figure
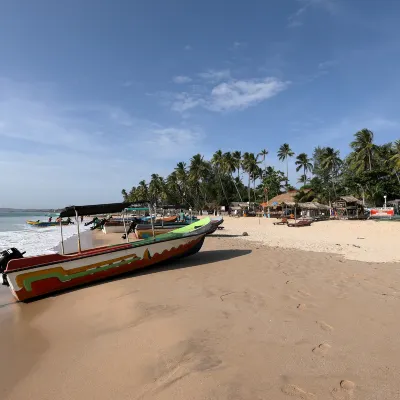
[(50, 219), (58, 220), (69, 221), (81, 218), (182, 216)]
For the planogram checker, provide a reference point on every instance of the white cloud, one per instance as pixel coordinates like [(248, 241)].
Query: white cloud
[(214, 76), (181, 79), (188, 47), (231, 95), (296, 19), (238, 95), (185, 101)]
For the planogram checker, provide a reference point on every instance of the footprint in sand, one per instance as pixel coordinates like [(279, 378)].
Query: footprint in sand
[(301, 306), (322, 349), (323, 325), (295, 391), (345, 392)]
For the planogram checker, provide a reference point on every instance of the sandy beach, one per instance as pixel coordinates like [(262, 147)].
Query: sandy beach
[(239, 320)]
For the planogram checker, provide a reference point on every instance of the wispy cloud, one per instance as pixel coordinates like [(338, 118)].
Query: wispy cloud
[(181, 79), (297, 18), (60, 146), (214, 76), (327, 64), (127, 84), (188, 47), (175, 141), (239, 95), (231, 95)]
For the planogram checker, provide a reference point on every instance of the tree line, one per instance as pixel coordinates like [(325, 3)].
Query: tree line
[(370, 171)]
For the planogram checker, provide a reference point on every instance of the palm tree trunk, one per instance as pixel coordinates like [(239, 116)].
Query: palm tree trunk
[(287, 170), (222, 186), (248, 190), (240, 197), (369, 159)]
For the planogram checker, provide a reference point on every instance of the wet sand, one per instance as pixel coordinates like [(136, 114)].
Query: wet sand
[(236, 321)]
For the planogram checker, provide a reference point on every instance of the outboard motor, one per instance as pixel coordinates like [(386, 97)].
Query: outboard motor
[(5, 257)]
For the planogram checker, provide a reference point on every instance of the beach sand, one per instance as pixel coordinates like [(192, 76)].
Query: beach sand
[(236, 321), (369, 241)]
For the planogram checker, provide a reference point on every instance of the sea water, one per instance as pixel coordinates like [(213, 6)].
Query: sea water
[(15, 232)]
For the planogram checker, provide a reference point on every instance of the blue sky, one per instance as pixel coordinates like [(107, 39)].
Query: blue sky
[(97, 95)]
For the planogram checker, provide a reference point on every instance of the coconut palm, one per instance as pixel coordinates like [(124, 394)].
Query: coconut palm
[(230, 165), (142, 191), (237, 156), (284, 153), (217, 161), (303, 162), (197, 173), (249, 165), (395, 159), (364, 148)]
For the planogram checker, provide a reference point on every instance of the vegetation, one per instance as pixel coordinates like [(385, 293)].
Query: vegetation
[(369, 172)]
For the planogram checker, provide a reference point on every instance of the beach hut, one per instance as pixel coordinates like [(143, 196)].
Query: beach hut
[(281, 203), (348, 207), (314, 210)]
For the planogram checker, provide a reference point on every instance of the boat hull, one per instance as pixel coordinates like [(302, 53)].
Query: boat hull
[(45, 224), (85, 268), (144, 231)]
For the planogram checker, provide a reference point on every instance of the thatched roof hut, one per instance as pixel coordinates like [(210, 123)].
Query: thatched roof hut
[(280, 199)]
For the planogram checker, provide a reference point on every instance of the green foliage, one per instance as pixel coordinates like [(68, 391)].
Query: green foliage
[(369, 171)]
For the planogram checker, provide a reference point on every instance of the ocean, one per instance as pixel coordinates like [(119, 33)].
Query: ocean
[(15, 232)]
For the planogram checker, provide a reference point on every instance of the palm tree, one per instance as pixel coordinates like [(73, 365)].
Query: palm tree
[(230, 165), (124, 195), (302, 161), (181, 176), (330, 162), (284, 153), (197, 173), (395, 159), (219, 165), (364, 148), (142, 192), (237, 156), (249, 165)]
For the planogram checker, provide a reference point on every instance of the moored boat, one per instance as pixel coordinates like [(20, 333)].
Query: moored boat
[(44, 224), (143, 231), (37, 276)]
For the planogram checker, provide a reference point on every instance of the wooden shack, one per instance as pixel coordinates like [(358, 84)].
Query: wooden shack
[(348, 207)]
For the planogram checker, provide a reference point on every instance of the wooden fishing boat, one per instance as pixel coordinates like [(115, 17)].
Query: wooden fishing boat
[(37, 276), (143, 231), (43, 224)]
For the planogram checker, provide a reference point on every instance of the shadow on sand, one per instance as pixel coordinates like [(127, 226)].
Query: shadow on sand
[(198, 259)]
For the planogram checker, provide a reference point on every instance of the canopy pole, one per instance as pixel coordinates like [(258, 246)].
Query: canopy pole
[(62, 238), (79, 234), (126, 233), (152, 222), (162, 218)]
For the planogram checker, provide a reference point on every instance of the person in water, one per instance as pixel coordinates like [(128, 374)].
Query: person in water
[(50, 219)]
